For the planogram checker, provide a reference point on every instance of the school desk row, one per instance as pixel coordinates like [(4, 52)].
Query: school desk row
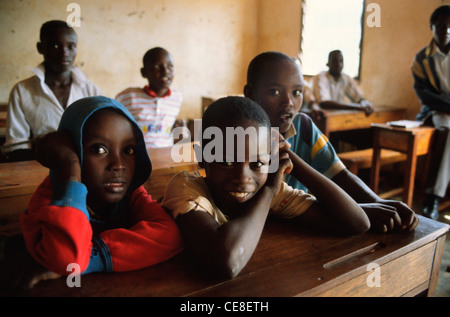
[(289, 260)]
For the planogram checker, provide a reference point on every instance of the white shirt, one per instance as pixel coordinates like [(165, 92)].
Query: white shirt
[(33, 108), (325, 87)]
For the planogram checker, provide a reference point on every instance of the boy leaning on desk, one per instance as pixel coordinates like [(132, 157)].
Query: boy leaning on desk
[(275, 81)]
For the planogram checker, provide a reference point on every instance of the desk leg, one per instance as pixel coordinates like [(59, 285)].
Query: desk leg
[(375, 170), (410, 171)]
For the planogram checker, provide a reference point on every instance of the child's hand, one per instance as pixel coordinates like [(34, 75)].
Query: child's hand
[(285, 167), (56, 151), (277, 137)]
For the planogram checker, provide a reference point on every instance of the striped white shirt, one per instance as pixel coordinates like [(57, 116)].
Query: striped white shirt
[(154, 115)]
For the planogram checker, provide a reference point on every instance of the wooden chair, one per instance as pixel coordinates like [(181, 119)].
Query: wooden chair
[(356, 160)]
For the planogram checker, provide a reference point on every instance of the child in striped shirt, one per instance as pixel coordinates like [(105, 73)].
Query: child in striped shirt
[(156, 106)]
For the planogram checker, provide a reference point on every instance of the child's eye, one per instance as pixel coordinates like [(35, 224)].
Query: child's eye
[(130, 150), (297, 92), (98, 149), (227, 164), (274, 92), (257, 164)]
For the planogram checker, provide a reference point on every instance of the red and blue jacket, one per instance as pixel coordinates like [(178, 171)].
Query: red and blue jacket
[(59, 229)]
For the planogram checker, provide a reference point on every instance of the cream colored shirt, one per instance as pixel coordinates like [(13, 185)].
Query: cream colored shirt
[(326, 87), (186, 192)]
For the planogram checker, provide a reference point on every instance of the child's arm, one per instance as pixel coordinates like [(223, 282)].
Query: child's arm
[(56, 224), (153, 237), (384, 215), (225, 249), (335, 209)]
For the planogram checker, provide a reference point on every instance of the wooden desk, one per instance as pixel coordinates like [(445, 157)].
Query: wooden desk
[(342, 120), (413, 142), (19, 180), (288, 261)]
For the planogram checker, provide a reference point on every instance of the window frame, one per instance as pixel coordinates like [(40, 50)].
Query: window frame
[(358, 76)]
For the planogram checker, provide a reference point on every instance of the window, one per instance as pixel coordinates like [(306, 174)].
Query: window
[(328, 25)]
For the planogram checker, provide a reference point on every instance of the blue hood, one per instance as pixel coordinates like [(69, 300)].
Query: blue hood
[(76, 115)]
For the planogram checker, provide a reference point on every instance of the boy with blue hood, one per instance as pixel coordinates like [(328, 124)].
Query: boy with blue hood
[(92, 209)]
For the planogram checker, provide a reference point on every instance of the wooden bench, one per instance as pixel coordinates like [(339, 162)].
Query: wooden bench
[(355, 160)]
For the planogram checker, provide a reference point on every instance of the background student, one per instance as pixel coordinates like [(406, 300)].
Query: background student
[(156, 106), (221, 216), (275, 82), (36, 104), (330, 88), (92, 209), (431, 73)]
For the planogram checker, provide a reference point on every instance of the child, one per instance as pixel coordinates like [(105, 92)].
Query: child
[(36, 104), (221, 217), (92, 210), (156, 106), (275, 82)]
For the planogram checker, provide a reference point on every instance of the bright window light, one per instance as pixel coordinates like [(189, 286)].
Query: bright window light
[(329, 25)]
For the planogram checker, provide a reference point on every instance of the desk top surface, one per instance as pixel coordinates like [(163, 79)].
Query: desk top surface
[(288, 261)]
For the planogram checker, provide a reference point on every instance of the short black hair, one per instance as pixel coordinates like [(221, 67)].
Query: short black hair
[(151, 53), (232, 111), (442, 10), (334, 52), (260, 63), (50, 26)]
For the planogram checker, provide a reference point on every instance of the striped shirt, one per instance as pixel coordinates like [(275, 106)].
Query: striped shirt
[(154, 115), (312, 146)]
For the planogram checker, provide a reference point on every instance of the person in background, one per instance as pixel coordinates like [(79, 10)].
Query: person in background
[(36, 104), (331, 87), (156, 106), (431, 73)]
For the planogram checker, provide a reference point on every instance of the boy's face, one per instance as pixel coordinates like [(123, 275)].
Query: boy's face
[(235, 181), (159, 71), (280, 93), (59, 49), (109, 145), (441, 30), (336, 64)]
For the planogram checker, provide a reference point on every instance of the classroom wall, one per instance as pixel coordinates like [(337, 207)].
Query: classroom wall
[(209, 40), (388, 51), (212, 43)]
